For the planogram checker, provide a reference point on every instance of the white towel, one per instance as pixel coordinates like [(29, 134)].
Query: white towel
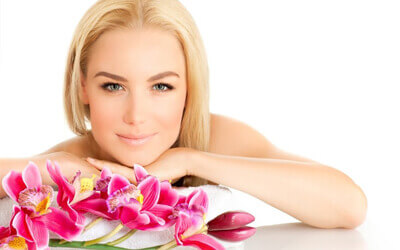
[(220, 200)]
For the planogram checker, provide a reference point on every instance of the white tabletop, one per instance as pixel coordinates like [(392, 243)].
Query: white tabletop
[(299, 236)]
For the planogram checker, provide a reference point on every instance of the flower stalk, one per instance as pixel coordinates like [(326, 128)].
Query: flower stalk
[(91, 224), (105, 237), (122, 238)]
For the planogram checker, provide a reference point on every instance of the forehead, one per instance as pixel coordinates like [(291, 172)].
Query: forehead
[(136, 52)]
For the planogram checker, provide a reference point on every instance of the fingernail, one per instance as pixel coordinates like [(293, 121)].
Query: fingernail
[(90, 159)]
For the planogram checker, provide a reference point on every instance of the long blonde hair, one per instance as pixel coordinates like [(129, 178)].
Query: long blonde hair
[(169, 15)]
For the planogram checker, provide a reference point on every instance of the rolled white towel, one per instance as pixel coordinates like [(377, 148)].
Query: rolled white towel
[(220, 200)]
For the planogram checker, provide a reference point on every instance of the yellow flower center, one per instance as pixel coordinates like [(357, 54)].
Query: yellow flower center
[(42, 207), (140, 198), (87, 184), (17, 243)]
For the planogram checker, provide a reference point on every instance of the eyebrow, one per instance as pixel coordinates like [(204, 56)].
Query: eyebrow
[(153, 78)]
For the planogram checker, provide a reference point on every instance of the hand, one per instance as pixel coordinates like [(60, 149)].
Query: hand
[(70, 164), (172, 164), (115, 168)]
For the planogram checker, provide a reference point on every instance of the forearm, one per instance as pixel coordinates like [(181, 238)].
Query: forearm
[(317, 195), (18, 165)]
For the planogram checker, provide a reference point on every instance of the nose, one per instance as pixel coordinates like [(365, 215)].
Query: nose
[(135, 108)]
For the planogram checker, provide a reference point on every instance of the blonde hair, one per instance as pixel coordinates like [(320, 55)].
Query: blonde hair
[(169, 15)]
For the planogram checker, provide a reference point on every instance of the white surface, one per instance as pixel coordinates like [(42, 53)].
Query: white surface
[(318, 78)]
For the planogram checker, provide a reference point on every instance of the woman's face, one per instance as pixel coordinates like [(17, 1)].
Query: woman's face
[(135, 85)]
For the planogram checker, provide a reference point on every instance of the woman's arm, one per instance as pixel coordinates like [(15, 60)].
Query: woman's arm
[(69, 164), (313, 193), (18, 165)]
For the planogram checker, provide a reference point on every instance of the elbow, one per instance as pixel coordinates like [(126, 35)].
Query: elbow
[(356, 210)]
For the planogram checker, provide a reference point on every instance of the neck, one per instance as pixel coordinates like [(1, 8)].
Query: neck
[(96, 151)]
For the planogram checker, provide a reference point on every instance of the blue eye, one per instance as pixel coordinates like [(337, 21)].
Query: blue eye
[(106, 85), (164, 86), (160, 87)]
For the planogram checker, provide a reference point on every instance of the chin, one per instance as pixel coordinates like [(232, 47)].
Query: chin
[(143, 161)]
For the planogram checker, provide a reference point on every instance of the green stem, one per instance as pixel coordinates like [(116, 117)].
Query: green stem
[(122, 238), (170, 244), (91, 224), (105, 237)]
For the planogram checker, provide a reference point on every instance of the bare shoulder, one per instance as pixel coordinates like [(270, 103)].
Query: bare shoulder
[(230, 136), (77, 145)]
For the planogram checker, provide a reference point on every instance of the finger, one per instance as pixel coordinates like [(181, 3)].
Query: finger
[(114, 168), (99, 164)]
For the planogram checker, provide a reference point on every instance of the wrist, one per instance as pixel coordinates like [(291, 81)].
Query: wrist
[(193, 161)]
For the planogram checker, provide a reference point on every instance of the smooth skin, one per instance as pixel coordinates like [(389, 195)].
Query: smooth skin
[(239, 156)]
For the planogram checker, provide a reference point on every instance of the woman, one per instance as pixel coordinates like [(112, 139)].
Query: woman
[(138, 69)]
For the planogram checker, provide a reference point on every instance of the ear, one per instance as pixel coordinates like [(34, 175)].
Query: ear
[(83, 92)]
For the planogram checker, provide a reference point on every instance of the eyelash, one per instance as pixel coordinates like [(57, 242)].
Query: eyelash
[(105, 85)]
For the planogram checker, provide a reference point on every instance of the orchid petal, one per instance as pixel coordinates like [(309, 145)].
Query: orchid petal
[(4, 232), (168, 195), (183, 222), (79, 218), (140, 172), (66, 191), (105, 172), (161, 210), (97, 206), (150, 189), (203, 242), (199, 198), (60, 223), (117, 182), (40, 233), (13, 184), (181, 199), (154, 219), (131, 217), (21, 222), (31, 176)]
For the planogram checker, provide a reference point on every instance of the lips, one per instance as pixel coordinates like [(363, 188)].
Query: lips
[(139, 140), (136, 137)]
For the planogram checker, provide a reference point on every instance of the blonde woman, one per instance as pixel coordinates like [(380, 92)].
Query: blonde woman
[(137, 74)]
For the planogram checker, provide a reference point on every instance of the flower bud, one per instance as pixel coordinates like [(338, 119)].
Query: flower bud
[(230, 220), (237, 234)]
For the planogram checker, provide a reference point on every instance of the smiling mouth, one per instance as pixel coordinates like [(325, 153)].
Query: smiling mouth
[(136, 142)]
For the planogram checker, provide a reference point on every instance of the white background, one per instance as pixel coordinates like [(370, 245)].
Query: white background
[(319, 79)]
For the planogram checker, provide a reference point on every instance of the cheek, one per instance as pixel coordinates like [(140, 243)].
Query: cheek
[(169, 115), (102, 115)]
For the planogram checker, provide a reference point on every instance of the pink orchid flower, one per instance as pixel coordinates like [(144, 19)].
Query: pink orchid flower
[(80, 196), (10, 240), (34, 217), (190, 216), (144, 207), (13, 241)]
